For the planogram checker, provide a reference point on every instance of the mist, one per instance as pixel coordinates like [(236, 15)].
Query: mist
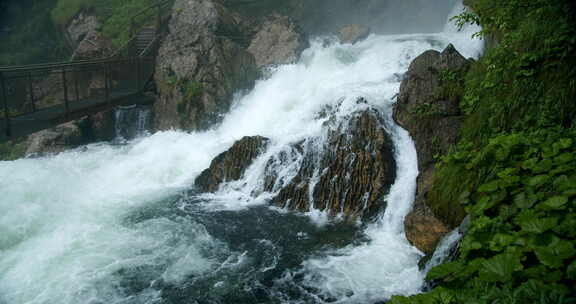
[(320, 17), (387, 16)]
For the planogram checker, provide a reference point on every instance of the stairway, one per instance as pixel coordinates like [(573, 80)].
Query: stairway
[(143, 39)]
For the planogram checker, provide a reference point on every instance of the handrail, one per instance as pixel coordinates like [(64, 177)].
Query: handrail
[(68, 64), (142, 11), (48, 65), (148, 47)]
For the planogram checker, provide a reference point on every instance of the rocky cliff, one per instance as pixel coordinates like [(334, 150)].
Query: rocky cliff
[(201, 63), (211, 52), (428, 107), (277, 41)]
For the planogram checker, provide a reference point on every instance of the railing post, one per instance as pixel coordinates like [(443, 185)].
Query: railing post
[(6, 108), (138, 74), (31, 88), (76, 88), (132, 41), (65, 87), (106, 82), (158, 18)]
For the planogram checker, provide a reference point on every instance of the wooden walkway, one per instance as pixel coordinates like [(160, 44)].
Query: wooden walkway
[(42, 96), (108, 83), (49, 117)]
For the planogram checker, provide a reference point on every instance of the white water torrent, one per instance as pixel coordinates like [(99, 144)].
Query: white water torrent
[(109, 224), (445, 247), (131, 121)]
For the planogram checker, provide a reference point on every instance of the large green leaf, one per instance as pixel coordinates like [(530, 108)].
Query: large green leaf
[(571, 271), (565, 143), (445, 270), (554, 203), (537, 225), (554, 255), (489, 187), (564, 158), (537, 180), (543, 166), (500, 268), (522, 201), (500, 241)]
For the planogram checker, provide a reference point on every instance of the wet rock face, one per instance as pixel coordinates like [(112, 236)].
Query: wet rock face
[(201, 63), (278, 41), (97, 127), (348, 175), (84, 37), (55, 139), (434, 123), (231, 165), (81, 26), (353, 33)]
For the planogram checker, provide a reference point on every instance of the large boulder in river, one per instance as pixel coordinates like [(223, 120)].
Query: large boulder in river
[(346, 173), (431, 113), (353, 33), (201, 63), (278, 41), (96, 127), (231, 164), (56, 139)]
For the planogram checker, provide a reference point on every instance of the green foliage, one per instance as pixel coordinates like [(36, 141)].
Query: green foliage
[(522, 239), (527, 82), (425, 110), (190, 90), (115, 15), (12, 150), (451, 84), (514, 170), (31, 37)]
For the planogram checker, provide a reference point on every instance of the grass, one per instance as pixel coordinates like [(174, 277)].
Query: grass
[(115, 15)]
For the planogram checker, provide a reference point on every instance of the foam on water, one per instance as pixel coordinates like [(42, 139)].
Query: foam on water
[(64, 233)]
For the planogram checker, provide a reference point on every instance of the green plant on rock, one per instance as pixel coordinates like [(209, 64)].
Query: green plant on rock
[(115, 15), (522, 242), (12, 150), (425, 110), (514, 170), (191, 91), (451, 85)]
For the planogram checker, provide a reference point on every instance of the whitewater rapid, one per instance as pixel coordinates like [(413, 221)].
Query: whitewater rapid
[(91, 225)]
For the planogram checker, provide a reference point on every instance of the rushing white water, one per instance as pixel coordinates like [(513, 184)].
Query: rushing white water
[(66, 234), (444, 248), (131, 122)]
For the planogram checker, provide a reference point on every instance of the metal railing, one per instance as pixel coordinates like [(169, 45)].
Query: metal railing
[(37, 88), (26, 90)]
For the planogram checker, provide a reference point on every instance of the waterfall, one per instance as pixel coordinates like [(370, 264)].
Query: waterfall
[(131, 121), (445, 248), (120, 223)]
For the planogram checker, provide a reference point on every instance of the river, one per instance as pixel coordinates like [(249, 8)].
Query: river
[(121, 223)]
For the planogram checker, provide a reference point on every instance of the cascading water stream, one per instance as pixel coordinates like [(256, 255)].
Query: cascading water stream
[(118, 224), (131, 122)]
